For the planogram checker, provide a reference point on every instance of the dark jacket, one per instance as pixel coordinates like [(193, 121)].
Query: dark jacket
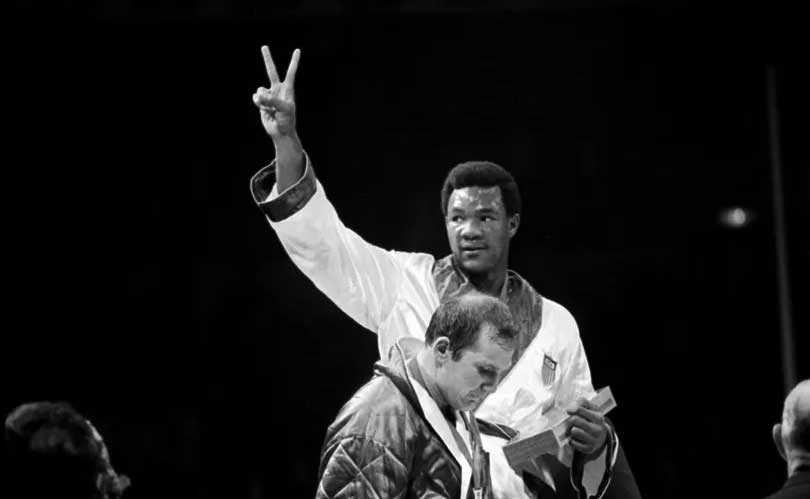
[(796, 487), (382, 445)]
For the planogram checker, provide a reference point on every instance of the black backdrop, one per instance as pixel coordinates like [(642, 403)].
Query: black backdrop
[(132, 138)]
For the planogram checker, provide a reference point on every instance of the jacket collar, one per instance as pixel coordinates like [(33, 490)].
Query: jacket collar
[(800, 477)]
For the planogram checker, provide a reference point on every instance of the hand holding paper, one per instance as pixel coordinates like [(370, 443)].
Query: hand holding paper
[(586, 429), (582, 427)]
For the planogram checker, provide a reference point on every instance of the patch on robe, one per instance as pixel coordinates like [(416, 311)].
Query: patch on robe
[(549, 370)]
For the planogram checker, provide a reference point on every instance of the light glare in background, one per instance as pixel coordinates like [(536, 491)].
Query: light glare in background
[(735, 217)]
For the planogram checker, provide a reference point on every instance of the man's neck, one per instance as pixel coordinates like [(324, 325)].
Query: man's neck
[(796, 460), (490, 283)]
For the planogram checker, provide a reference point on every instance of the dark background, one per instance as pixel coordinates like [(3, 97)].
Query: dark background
[(629, 126)]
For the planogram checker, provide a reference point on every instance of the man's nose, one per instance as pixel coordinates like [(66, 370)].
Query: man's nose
[(471, 229), (488, 386)]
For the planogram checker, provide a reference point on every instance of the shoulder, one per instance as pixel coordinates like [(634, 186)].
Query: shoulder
[(375, 412), (784, 493), (414, 261), (797, 486), (417, 277), (553, 315), (559, 317)]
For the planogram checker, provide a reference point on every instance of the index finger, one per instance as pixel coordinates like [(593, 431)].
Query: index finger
[(268, 64), (590, 415)]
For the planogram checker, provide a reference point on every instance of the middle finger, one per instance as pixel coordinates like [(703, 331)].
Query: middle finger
[(269, 65)]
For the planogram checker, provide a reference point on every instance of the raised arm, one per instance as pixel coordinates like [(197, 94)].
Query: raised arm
[(362, 279)]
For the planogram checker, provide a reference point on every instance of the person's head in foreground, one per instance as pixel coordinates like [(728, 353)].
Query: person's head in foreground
[(53, 451), (792, 435), (470, 343)]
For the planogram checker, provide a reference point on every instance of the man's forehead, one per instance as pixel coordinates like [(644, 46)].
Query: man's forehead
[(477, 197), (489, 352)]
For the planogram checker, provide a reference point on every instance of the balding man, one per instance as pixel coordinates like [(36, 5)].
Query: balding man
[(396, 437), (792, 439)]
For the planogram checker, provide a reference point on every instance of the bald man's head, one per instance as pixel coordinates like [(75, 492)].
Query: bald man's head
[(792, 435), (796, 418), (460, 319)]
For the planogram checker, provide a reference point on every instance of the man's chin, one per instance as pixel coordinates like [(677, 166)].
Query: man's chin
[(474, 266), (467, 404)]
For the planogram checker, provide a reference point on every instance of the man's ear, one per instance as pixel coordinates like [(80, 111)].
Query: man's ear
[(441, 350), (776, 433), (514, 223)]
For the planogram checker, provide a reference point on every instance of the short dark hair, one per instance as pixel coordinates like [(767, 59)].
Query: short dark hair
[(482, 174), (53, 451), (462, 318)]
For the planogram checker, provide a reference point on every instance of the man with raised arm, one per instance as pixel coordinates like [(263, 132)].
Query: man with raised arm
[(394, 293)]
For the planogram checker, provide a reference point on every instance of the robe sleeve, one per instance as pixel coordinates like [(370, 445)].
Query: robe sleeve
[(360, 278)]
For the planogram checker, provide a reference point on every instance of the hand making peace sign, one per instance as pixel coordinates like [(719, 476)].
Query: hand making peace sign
[(277, 104)]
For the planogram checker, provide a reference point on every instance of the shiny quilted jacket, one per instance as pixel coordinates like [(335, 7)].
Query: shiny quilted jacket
[(381, 446)]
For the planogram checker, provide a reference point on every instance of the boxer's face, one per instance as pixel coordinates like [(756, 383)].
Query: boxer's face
[(479, 229), (465, 382)]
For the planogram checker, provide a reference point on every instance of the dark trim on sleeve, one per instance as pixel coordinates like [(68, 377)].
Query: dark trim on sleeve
[(288, 202)]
